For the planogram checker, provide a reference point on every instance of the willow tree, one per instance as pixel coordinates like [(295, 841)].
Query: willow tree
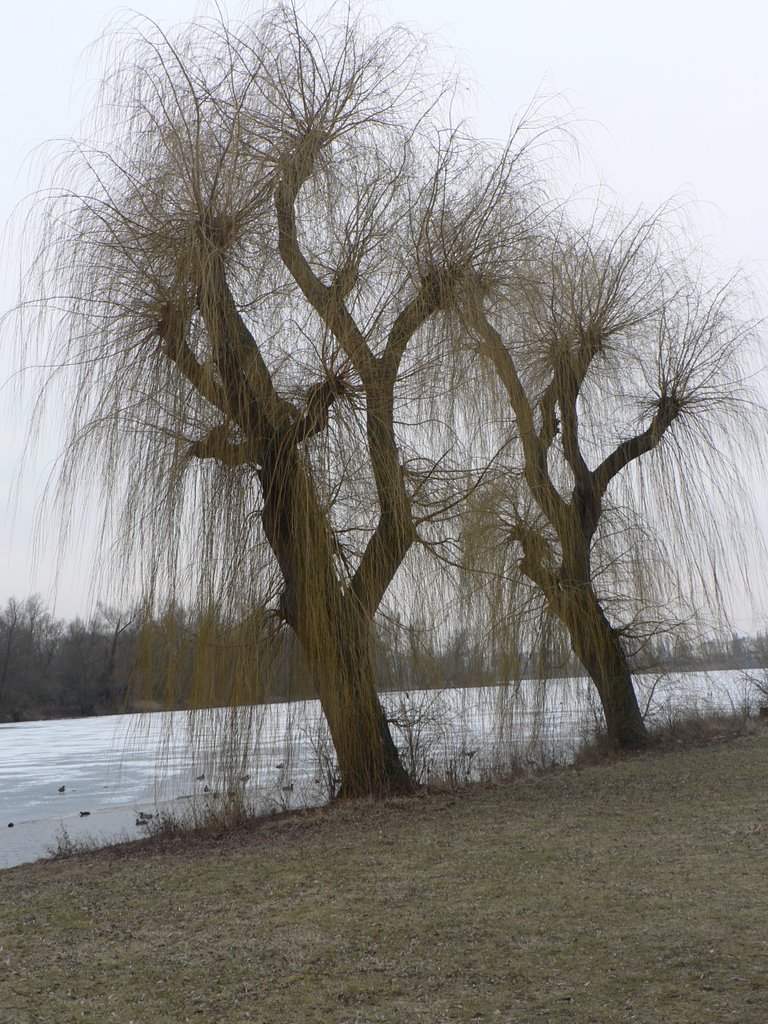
[(627, 382), (243, 289)]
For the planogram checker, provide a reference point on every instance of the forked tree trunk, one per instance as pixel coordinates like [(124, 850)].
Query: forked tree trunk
[(335, 631), (571, 597)]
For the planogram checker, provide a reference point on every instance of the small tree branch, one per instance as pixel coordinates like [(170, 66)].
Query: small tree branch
[(216, 444), (327, 301), (667, 411)]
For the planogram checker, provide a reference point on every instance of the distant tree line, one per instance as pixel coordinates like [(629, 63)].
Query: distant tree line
[(51, 668), (112, 662), (127, 661)]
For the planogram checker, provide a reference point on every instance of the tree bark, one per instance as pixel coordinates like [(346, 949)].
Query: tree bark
[(571, 597), (333, 626), (598, 647), (340, 657)]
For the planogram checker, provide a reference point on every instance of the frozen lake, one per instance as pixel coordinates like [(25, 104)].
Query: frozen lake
[(92, 777)]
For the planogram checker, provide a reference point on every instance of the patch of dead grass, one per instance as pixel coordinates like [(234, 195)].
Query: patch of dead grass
[(628, 891)]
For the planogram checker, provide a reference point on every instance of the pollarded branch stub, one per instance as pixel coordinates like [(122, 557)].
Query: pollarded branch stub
[(669, 407), (536, 559), (346, 277), (171, 326), (217, 230), (319, 399), (298, 161), (441, 286)]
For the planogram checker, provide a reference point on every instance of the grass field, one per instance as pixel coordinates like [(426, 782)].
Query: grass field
[(635, 890)]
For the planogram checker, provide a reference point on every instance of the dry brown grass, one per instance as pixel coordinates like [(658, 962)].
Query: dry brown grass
[(630, 891), (677, 730)]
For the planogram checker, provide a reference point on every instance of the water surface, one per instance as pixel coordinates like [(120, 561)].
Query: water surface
[(116, 767)]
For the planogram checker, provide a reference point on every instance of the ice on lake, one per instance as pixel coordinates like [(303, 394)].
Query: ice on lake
[(112, 768)]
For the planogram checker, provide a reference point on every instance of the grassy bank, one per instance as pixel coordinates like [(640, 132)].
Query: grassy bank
[(628, 891)]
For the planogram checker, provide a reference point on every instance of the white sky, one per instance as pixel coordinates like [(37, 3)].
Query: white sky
[(670, 97)]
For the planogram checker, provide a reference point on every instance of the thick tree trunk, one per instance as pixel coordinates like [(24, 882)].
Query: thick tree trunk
[(571, 596), (340, 657), (333, 627), (598, 647)]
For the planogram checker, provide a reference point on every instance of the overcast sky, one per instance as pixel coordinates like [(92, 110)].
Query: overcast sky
[(669, 98)]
